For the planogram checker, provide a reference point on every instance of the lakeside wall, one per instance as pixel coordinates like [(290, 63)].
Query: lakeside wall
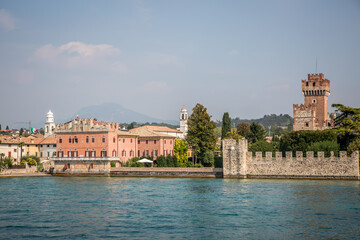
[(167, 172), (239, 163)]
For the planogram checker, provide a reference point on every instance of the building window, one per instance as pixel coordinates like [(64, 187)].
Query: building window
[(92, 139), (75, 139), (75, 153), (124, 153), (87, 139), (69, 139), (314, 101), (48, 145), (147, 141), (69, 153), (314, 84), (87, 153), (124, 140), (165, 153), (114, 139), (155, 153), (54, 146), (306, 124), (154, 141), (103, 153), (131, 153), (93, 154), (131, 140), (15, 150), (91, 165), (146, 152), (60, 140), (114, 153), (138, 153), (138, 141), (103, 139)]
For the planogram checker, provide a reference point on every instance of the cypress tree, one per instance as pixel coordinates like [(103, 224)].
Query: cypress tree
[(226, 125)]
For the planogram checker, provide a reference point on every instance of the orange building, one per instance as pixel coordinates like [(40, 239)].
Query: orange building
[(151, 142)]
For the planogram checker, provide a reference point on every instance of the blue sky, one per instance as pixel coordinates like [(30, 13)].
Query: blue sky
[(244, 57)]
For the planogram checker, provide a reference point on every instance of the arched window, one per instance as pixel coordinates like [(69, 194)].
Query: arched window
[(114, 153), (92, 139), (69, 139), (114, 139), (314, 84), (87, 139), (124, 153)]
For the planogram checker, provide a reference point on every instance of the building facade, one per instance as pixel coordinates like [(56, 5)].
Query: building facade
[(313, 114)]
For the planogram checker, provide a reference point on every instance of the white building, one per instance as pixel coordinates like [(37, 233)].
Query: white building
[(183, 121), (49, 125)]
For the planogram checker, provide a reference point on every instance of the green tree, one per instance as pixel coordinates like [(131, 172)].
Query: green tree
[(347, 124), (226, 125), (257, 133), (208, 160), (180, 152), (354, 146), (21, 131), (243, 129), (217, 132), (301, 140), (233, 134), (201, 136), (7, 127), (261, 146), (324, 146)]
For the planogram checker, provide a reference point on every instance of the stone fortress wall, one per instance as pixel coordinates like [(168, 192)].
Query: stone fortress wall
[(239, 163)]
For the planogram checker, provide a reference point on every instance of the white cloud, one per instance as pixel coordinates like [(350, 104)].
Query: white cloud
[(7, 22), (75, 53), (119, 67)]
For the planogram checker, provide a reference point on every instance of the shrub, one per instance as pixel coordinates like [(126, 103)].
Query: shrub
[(198, 165), (208, 159), (324, 146), (112, 164)]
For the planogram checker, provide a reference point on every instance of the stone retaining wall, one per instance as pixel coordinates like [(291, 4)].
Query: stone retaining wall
[(167, 172), (239, 163)]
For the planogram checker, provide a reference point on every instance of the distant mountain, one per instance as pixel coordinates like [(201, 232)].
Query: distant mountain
[(113, 112), (266, 121)]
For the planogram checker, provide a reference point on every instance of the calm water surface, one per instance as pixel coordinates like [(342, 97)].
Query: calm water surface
[(177, 208)]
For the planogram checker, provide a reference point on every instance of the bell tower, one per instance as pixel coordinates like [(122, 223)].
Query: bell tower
[(49, 125), (183, 120)]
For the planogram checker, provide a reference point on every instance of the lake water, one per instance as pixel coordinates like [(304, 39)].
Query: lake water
[(177, 208)]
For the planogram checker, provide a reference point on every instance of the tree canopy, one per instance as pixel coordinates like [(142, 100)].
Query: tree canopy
[(257, 133), (201, 136)]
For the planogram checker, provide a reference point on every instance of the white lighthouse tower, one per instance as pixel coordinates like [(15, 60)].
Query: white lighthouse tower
[(183, 120), (50, 124)]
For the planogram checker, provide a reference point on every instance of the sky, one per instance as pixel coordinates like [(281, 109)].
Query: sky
[(243, 57)]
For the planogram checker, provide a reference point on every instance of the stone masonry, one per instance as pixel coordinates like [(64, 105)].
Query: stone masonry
[(239, 163)]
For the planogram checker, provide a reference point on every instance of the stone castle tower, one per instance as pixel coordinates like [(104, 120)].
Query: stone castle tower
[(183, 120), (313, 114), (49, 125)]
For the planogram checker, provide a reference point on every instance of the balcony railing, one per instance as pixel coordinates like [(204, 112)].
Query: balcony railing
[(85, 158)]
